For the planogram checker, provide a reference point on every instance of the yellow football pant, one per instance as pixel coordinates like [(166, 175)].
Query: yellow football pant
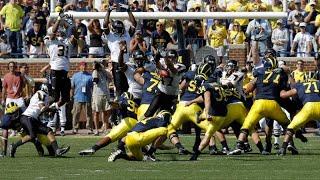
[(122, 129), (183, 114), (44, 140), (310, 111), (141, 110), (135, 140), (264, 108), (236, 112)]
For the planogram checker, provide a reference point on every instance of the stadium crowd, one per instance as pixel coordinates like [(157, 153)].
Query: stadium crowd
[(148, 76)]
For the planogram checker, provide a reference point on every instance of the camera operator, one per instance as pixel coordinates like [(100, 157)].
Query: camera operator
[(115, 33)]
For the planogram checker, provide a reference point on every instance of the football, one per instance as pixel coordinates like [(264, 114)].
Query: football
[(163, 73)]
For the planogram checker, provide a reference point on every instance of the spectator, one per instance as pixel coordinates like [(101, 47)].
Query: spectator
[(296, 15), (114, 35), (11, 17), (259, 30), (40, 16), (310, 18), (34, 41), (138, 43), (135, 7), (100, 96), (217, 35), (160, 38), (29, 86), (280, 38), (302, 41), (81, 6), (182, 5), (311, 2), (81, 91), (240, 6), (13, 84), (236, 35), (299, 75), (149, 25), (96, 44), (5, 48)]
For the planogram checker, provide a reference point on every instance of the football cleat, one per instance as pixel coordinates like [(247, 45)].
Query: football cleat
[(247, 147), (264, 152), (86, 152), (62, 133), (194, 157), (115, 155), (213, 151), (281, 152), (237, 151), (225, 151), (149, 158), (12, 150), (183, 151), (276, 146), (293, 149), (62, 151)]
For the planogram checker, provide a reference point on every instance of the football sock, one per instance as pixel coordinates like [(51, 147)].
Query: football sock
[(179, 145), (284, 145), (121, 146), (276, 139), (17, 144), (211, 147), (62, 128), (224, 144), (96, 147), (54, 145), (260, 146), (151, 150)]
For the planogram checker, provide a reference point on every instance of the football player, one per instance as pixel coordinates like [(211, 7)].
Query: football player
[(149, 130), (127, 111), (308, 94), (171, 73), (232, 83), (58, 49), (32, 126), (268, 83)]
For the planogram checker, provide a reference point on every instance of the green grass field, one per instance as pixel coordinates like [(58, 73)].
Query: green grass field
[(27, 165)]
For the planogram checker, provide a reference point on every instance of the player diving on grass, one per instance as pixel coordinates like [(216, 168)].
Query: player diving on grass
[(150, 130), (126, 107)]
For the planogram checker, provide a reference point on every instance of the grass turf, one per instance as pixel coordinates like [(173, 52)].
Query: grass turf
[(27, 165)]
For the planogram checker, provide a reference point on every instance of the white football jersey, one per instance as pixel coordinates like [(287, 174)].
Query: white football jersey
[(59, 53), (170, 85), (134, 88), (236, 78), (33, 110), (113, 41)]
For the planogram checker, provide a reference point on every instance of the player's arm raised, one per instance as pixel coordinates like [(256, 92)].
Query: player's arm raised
[(123, 50)]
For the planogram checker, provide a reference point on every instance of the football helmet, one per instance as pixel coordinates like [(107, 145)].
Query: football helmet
[(118, 27), (11, 108), (139, 58), (204, 70), (164, 115), (211, 60)]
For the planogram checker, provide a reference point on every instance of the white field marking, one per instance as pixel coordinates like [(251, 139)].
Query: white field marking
[(73, 174), (144, 170), (41, 177)]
